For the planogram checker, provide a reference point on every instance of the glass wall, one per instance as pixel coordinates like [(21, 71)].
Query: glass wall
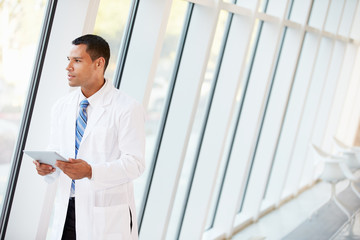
[(161, 89), (111, 20), (20, 23), (197, 132), (234, 93)]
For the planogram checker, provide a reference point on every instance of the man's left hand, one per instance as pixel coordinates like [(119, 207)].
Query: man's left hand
[(75, 168)]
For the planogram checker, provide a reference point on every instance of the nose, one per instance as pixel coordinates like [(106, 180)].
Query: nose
[(69, 67)]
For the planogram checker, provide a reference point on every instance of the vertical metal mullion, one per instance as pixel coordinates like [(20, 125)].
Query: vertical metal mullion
[(27, 115), (252, 161), (126, 43), (289, 95), (283, 117), (246, 84), (166, 109), (290, 9), (257, 140), (237, 120), (233, 136), (267, 104), (206, 118)]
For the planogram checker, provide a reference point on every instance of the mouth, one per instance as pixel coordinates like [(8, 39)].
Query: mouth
[(69, 76)]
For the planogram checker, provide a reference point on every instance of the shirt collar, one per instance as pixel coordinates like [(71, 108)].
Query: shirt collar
[(96, 97)]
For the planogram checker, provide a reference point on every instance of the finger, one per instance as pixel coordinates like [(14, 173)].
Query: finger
[(70, 171), (45, 171), (43, 174), (72, 160), (66, 167), (71, 174), (45, 166), (61, 164), (37, 163)]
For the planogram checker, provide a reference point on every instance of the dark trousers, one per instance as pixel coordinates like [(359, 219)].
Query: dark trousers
[(69, 232)]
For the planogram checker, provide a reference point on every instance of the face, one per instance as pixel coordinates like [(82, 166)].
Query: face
[(81, 70)]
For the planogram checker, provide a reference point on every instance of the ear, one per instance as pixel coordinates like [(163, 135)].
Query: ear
[(100, 62)]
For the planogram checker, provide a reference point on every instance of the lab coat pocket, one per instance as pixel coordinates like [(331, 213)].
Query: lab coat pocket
[(112, 222), (113, 196)]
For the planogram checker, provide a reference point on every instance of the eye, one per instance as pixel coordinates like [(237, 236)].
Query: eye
[(77, 60)]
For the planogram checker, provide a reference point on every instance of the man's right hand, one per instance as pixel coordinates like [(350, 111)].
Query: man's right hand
[(43, 169)]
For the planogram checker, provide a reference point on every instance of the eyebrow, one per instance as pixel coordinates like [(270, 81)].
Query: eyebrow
[(74, 57)]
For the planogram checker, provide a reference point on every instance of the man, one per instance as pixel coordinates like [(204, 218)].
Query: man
[(101, 130)]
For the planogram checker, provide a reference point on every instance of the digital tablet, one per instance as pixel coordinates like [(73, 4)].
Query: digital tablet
[(47, 157)]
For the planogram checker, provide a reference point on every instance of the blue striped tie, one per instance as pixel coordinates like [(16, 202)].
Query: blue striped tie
[(79, 132)]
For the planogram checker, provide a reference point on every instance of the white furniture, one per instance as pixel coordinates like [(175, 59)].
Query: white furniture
[(353, 152), (351, 155), (335, 170)]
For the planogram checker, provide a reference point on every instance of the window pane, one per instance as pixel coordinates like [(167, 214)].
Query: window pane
[(21, 23), (333, 19), (238, 50), (318, 13), (252, 115), (294, 111), (276, 111), (250, 4), (188, 167), (311, 112), (298, 10), (110, 23), (232, 150), (160, 89), (276, 8), (222, 172), (347, 17)]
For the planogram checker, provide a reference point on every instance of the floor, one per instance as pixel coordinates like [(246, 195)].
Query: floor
[(350, 231), (292, 218)]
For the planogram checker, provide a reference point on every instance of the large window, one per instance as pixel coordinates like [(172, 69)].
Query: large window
[(234, 93), (110, 23), (197, 133), (20, 23), (161, 91)]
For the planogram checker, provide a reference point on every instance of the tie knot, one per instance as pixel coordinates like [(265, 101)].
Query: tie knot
[(84, 103)]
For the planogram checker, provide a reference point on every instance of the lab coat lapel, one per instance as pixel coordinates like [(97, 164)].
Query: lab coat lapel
[(98, 110), (96, 114)]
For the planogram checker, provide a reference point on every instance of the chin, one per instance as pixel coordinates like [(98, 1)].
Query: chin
[(72, 84)]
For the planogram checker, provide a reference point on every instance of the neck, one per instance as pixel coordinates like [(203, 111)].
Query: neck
[(88, 91)]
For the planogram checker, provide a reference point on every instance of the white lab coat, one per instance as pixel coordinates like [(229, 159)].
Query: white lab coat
[(113, 144)]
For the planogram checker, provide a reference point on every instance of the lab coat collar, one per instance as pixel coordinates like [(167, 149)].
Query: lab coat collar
[(99, 98), (97, 101)]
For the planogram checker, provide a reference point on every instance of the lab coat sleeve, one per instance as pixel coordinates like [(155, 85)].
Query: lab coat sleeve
[(131, 143)]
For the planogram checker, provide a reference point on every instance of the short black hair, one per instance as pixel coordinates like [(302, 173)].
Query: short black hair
[(96, 47)]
